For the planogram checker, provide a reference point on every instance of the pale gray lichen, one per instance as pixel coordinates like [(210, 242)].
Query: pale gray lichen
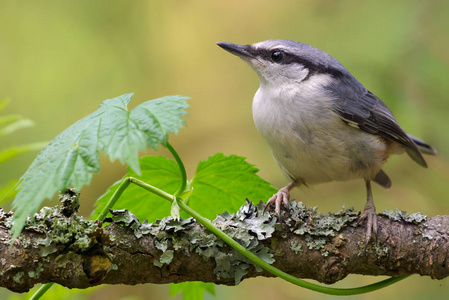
[(318, 228), (248, 226), (380, 251), (165, 258), (37, 272), (296, 247), (427, 236), (398, 215), (315, 242), (63, 229), (26, 242), (6, 221), (309, 221), (18, 276)]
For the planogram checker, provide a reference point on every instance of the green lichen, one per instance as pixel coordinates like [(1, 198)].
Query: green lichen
[(26, 242), (165, 258), (161, 245), (46, 247), (70, 201), (296, 247), (309, 221), (63, 259), (37, 272), (6, 221), (62, 228), (380, 251), (248, 226), (398, 215), (39, 269), (315, 242), (319, 228), (18, 276)]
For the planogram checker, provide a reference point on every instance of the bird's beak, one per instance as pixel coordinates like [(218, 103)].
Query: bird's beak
[(241, 51)]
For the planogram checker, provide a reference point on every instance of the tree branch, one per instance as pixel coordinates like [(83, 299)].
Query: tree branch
[(59, 246)]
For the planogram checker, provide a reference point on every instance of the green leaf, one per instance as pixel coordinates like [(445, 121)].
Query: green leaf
[(14, 123), (174, 212), (222, 183), (193, 290), (58, 292), (72, 157), (5, 120), (158, 171), (14, 151), (3, 103), (7, 192)]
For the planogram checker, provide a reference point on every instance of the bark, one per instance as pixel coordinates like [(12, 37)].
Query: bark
[(61, 247)]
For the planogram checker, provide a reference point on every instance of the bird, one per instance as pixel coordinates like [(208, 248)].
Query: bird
[(321, 123)]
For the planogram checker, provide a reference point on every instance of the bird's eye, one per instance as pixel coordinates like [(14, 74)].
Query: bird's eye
[(277, 56)]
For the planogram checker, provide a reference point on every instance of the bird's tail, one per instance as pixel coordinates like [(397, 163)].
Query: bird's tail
[(423, 146)]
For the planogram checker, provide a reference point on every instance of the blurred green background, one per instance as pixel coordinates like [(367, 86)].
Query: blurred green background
[(60, 59)]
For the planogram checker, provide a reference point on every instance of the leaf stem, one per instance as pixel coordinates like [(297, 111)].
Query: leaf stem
[(122, 187), (275, 271), (118, 192), (41, 291), (254, 258), (181, 168)]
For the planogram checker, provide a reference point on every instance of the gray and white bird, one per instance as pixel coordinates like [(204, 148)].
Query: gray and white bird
[(320, 122)]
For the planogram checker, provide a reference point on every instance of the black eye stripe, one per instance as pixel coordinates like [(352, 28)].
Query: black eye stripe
[(289, 58)]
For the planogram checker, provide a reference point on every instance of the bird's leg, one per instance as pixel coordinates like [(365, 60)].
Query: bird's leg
[(282, 196), (369, 213)]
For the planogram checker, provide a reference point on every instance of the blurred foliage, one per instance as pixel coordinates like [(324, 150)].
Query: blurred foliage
[(57, 292), (59, 57), (8, 125)]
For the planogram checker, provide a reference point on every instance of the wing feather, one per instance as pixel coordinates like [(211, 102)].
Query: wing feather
[(360, 108)]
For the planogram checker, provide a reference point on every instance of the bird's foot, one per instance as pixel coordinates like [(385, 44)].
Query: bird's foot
[(369, 214), (281, 197)]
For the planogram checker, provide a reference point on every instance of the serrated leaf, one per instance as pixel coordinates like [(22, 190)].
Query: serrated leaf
[(222, 183), (158, 171), (192, 290), (73, 156)]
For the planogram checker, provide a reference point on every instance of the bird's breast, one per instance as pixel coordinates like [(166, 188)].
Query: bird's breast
[(309, 140)]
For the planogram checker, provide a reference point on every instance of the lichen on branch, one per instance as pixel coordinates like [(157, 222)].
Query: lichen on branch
[(59, 246)]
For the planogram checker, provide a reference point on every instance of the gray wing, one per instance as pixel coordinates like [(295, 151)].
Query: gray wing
[(360, 108)]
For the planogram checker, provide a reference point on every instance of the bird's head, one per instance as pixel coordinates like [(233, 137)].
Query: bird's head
[(280, 62)]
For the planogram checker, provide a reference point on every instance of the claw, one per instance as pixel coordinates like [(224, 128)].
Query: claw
[(369, 214), (281, 197), (371, 223)]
